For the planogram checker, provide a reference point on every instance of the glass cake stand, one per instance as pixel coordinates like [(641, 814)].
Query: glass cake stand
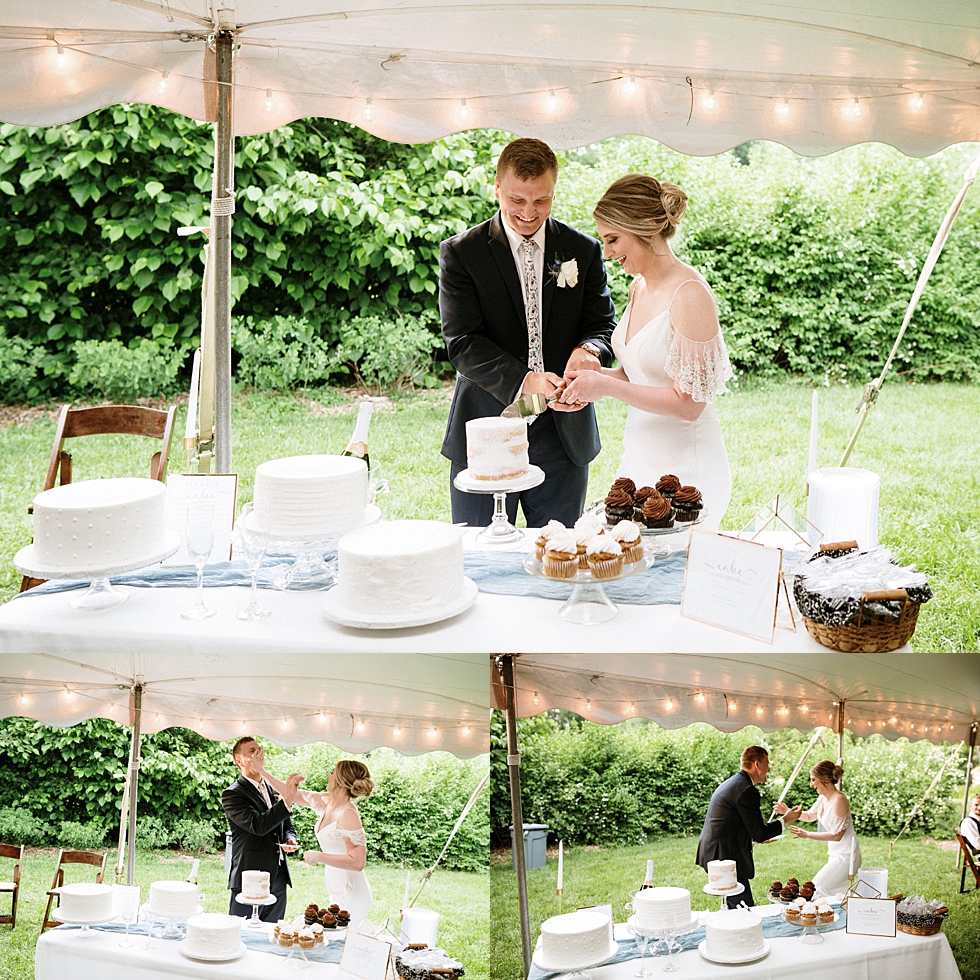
[(254, 922), (588, 604), (725, 894), (500, 529)]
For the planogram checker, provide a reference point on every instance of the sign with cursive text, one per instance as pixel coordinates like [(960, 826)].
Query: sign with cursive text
[(870, 916), (732, 583), (365, 957), (219, 489)]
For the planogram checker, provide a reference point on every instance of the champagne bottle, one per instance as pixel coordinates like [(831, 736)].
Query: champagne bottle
[(358, 441), (192, 877), (648, 881)]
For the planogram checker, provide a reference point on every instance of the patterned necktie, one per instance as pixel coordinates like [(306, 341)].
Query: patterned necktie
[(535, 358)]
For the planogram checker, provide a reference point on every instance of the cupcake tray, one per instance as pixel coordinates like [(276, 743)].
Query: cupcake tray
[(534, 567), (599, 510), (816, 924)]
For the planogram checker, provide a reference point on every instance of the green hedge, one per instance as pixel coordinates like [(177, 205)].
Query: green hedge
[(616, 785), (64, 785)]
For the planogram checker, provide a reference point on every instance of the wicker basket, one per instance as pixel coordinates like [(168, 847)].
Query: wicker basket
[(922, 930), (867, 633)]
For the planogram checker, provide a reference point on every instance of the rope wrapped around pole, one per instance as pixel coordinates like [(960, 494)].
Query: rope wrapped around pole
[(926, 795)]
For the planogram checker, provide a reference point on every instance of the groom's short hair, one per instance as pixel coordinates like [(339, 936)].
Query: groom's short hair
[(753, 754), (244, 740), (527, 159)]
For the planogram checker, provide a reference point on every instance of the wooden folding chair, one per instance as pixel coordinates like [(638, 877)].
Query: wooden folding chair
[(12, 887), (968, 862), (70, 857), (106, 419)]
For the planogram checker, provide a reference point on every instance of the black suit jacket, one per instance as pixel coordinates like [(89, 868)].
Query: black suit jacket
[(733, 821), (485, 327), (256, 831)]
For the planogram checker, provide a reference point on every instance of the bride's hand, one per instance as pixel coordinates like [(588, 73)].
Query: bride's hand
[(584, 387), (312, 857), (797, 832)]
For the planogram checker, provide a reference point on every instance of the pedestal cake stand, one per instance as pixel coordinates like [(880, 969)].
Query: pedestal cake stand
[(500, 530)]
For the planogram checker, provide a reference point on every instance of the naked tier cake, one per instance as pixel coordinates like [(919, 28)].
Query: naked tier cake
[(84, 902), (496, 449), (214, 935), (733, 935), (574, 940), (310, 497), (400, 568), (721, 875), (255, 885), (173, 899), (662, 908), (98, 524)]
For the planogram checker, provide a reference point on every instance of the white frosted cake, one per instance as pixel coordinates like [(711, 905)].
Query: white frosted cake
[(85, 903), (400, 567), (721, 875), (574, 940), (733, 935), (213, 934), (255, 885), (310, 497), (173, 899), (97, 524), (662, 908), (496, 449)]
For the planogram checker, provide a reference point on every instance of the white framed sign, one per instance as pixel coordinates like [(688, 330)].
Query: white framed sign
[(219, 489), (365, 956), (601, 909), (871, 916), (732, 583)]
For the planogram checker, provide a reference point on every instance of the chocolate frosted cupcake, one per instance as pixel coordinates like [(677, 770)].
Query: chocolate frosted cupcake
[(688, 504), (639, 498), (619, 505), (657, 511), (624, 483), (668, 485)]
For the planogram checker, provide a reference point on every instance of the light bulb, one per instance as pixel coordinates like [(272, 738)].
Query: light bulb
[(284, 724), (631, 86), (804, 708), (632, 708), (321, 717), (164, 82), (552, 103), (916, 102), (760, 711), (892, 721), (700, 698), (466, 731), (733, 706), (464, 113), (23, 699), (782, 109), (708, 100), (61, 50), (361, 726), (852, 109), (269, 104), (69, 694), (588, 705), (669, 706), (398, 733), (536, 699), (369, 111)]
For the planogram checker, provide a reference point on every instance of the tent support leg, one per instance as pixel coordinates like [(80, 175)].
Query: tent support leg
[(134, 777), (506, 665), (223, 192), (966, 792)]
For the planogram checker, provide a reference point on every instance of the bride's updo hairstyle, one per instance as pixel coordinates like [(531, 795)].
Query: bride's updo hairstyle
[(827, 772), (354, 777), (643, 206)]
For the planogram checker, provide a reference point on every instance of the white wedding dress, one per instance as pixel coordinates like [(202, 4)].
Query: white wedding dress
[(349, 889), (844, 855), (658, 355)]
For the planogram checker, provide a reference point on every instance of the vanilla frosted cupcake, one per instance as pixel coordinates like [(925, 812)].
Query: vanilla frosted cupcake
[(792, 913), (306, 940), (287, 936), (825, 913), (605, 556), (542, 540), (561, 555), (317, 931), (628, 536), (589, 522), (808, 914), (582, 537)]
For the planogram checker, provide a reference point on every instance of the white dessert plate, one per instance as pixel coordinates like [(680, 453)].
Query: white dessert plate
[(702, 949), (534, 567), (60, 917), (211, 957), (26, 564), (343, 615), (466, 483), (565, 967)]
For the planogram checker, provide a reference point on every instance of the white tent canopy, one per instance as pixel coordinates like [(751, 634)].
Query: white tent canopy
[(699, 76), (934, 697), (411, 702)]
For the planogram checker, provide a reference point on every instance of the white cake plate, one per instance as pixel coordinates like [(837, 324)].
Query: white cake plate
[(500, 529), (566, 969), (58, 915), (100, 593), (659, 931), (703, 950), (338, 613), (211, 957), (724, 894), (254, 922)]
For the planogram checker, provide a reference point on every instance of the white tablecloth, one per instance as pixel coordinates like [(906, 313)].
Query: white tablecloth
[(149, 622), (68, 955), (839, 957)]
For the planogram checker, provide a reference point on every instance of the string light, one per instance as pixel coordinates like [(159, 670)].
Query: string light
[(733, 706), (708, 100), (760, 711), (269, 104), (361, 726), (69, 694), (916, 102), (804, 708), (156, 718), (669, 706), (892, 720), (700, 698), (631, 86), (369, 112), (244, 724), (397, 732), (588, 705), (61, 50), (782, 710), (164, 82), (464, 113), (24, 699), (552, 103), (852, 109), (321, 717), (466, 731), (632, 708), (782, 109)]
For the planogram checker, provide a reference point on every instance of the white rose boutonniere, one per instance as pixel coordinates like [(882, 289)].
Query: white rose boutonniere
[(565, 273)]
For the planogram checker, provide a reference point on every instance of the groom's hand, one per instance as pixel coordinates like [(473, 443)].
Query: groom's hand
[(545, 383), (791, 816)]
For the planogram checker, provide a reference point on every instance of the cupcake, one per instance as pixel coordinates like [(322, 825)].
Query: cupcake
[(639, 498), (287, 936), (624, 483), (809, 884), (657, 511), (335, 908), (628, 536), (541, 542), (808, 914), (588, 521), (306, 940), (329, 920), (317, 930), (792, 914), (788, 893), (776, 887), (825, 914), (605, 556), (667, 485), (619, 505), (806, 891), (560, 557), (583, 536), (688, 504), (343, 919)]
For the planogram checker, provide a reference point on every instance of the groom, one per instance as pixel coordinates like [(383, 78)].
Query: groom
[(523, 299), (734, 821)]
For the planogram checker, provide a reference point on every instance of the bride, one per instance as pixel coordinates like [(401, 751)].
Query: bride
[(340, 834), (672, 357), (833, 810)]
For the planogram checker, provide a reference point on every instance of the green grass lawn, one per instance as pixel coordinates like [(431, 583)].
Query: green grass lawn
[(595, 876), (921, 439), (461, 899)]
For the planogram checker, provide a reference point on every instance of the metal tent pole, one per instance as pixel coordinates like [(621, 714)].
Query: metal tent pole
[(506, 666), (134, 774), (840, 737), (222, 207), (966, 792)]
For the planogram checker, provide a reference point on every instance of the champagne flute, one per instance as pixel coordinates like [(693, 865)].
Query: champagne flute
[(253, 534), (128, 903), (199, 540)]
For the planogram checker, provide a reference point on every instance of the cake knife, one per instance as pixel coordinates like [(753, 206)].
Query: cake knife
[(528, 406)]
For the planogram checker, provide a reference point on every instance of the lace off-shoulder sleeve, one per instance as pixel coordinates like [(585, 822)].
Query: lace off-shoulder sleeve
[(357, 837), (699, 368), (315, 801)]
